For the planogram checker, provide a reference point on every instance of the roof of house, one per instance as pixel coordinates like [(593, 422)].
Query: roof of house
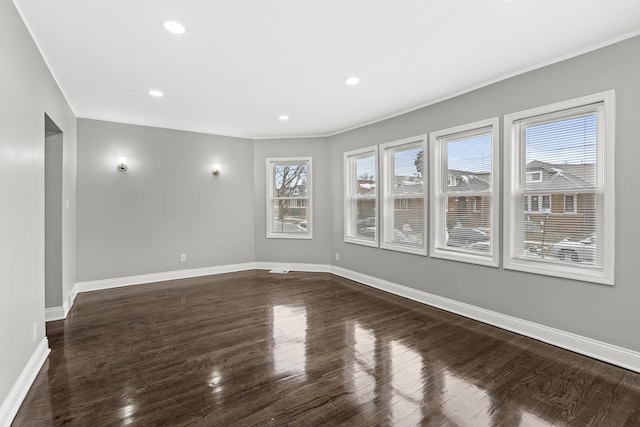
[(558, 176), (409, 185), (468, 181)]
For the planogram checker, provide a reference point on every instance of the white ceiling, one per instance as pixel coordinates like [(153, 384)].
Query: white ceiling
[(242, 63)]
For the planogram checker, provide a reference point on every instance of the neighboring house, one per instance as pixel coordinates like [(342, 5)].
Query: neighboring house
[(408, 200), (366, 206), (468, 211), (294, 207), (569, 214), (562, 208)]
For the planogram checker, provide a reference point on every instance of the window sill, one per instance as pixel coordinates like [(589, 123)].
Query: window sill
[(361, 242), (586, 274), (306, 236), (404, 248), (467, 257)]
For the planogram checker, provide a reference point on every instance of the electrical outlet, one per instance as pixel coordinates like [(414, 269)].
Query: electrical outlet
[(183, 257), (337, 256)]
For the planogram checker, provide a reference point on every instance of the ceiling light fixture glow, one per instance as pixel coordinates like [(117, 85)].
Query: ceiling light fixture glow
[(352, 81), (283, 117), (174, 27), (156, 93)]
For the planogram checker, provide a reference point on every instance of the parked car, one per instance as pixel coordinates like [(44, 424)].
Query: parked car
[(406, 238), (484, 246), (367, 227), (464, 236), (582, 251)]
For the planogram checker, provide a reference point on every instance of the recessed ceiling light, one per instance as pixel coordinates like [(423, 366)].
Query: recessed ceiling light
[(352, 81), (283, 117), (156, 93), (174, 27)]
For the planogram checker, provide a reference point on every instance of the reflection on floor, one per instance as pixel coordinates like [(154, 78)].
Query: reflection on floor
[(252, 348)]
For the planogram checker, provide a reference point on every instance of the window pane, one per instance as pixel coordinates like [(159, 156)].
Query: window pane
[(404, 203), (289, 199), (468, 163), (290, 180), (466, 184), (366, 218), (361, 198), (563, 150), (365, 184), (288, 216), (469, 223)]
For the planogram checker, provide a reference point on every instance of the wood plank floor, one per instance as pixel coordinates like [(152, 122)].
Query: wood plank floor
[(301, 349)]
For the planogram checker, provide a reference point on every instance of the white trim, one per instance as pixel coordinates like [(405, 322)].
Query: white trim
[(54, 313), (512, 168), (438, 249), (118, 282), (609, 353), (18, 392), (61, 313), (289, 266), (387, 198), (271, 161)]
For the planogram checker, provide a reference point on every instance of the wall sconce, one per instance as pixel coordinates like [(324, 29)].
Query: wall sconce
[(122, 164), (216, 170)]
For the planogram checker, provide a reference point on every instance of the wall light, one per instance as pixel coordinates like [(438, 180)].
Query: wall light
[(122, 164), (216, 169)]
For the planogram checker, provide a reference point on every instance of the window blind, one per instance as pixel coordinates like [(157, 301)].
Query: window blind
[(465, 200), (404, 195), (559, 217)]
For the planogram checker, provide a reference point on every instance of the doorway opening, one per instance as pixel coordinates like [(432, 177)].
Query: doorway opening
[(53, 150)]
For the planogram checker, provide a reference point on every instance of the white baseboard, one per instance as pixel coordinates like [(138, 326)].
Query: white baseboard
[(292, 266), (54, 313), (609, 353), (14, 399), (118, 282)]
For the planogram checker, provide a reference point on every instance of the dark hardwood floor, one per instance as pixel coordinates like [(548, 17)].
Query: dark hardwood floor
[(301, 349)]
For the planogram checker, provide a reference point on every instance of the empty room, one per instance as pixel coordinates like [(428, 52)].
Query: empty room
[(291, 213)]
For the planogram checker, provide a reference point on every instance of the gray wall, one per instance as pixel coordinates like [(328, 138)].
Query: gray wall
[(28, 91), (166, 203), (53, 220), (609, 314), (314, 251)]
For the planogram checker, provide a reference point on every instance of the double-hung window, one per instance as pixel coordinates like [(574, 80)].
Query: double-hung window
[(464, 180), (403, 194), (361, 196), (570, 147), (289, 211)]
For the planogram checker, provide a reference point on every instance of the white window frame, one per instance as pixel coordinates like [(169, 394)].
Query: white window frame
[(271, 162), (514, 157), (387, 197), (350, 216), (438, 249)]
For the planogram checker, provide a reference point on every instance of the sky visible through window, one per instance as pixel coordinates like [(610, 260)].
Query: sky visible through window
[(366, 167), (471, 154), (570, 141), (295, 174)]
